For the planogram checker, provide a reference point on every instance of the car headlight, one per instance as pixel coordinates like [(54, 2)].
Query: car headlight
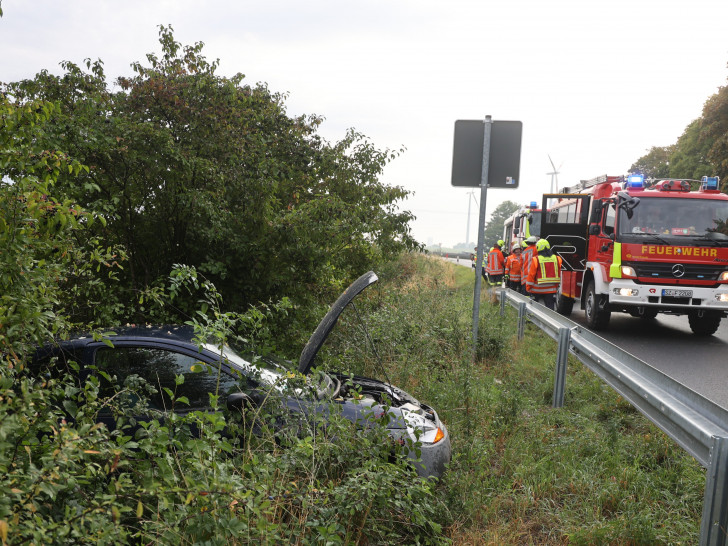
[(422, 429), (628, 271), (723, 276)]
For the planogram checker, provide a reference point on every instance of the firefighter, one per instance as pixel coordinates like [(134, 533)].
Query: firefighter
[(529, 251), (544, 275), (495, 264), (513, 269)]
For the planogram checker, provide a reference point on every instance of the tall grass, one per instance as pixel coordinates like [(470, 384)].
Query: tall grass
[(593, 472)]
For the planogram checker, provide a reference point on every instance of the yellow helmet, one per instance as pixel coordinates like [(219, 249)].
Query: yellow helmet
[(542, 244)]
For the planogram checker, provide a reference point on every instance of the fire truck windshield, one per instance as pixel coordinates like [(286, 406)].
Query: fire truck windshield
[(535, 224), (675, 220)]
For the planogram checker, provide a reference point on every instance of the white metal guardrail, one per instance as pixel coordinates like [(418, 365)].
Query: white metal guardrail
[(698, 425)]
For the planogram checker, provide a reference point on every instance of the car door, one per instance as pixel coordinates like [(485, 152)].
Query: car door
[(565, 227)]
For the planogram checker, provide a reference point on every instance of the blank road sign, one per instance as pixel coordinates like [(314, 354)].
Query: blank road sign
[(504, 154)]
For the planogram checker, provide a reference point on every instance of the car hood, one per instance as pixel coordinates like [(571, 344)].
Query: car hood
[(317, 339)]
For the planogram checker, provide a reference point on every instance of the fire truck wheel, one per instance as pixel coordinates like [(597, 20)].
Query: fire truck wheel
[(597, 318), (705, 325), (564, 305)]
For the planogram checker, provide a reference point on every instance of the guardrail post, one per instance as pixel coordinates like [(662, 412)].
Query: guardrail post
[(521, 320), (560, 375), (503, 298), (714, 525)]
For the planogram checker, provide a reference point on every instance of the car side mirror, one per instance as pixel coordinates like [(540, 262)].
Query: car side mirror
[(238, 401), (594, 229)]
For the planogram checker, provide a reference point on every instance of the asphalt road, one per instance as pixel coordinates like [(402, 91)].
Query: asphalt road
[(668, 344)]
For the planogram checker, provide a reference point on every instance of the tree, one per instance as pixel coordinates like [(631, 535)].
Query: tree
[(702, 149), (690, 155), (655, 163), (494, 228), (191, 167), (47, 263), (714, 131)]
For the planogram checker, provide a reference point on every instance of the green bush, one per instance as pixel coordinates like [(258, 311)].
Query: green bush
[(71, 480)]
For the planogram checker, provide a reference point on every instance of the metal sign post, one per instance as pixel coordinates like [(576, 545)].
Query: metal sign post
[(487, 125), (485, 153)]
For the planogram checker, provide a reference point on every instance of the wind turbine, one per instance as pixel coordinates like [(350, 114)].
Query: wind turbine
[(470, 200), (554, 175)]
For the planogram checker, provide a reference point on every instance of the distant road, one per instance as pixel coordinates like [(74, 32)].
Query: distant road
[(668, 344), (461, 261)]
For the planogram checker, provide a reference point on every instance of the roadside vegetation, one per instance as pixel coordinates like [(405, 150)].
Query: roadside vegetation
[(592, 472)]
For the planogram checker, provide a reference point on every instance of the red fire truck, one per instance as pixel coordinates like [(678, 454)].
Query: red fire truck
[(521, 225), (641, 248)]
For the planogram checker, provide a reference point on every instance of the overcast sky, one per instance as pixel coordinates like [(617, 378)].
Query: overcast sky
[(595, 83)]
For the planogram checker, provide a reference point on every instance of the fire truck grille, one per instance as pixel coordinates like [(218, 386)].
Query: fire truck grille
[(671, 271)]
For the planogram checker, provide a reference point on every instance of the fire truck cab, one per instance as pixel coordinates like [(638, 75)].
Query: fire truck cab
[(641, 248), (521, 225)]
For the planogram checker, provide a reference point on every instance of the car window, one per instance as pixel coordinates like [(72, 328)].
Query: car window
[(57, 364), (159, 367)]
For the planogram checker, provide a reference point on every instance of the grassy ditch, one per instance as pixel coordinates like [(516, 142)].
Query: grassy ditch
[(593, 472)]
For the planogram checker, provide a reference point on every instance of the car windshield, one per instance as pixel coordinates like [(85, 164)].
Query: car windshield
[(675, 221), (274, 375)]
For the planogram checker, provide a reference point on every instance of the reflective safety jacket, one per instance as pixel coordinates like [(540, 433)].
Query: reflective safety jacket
[(544, 275), (513, 268), (496, 262), (527, 255)]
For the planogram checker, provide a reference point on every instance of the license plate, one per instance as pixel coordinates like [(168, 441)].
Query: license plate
[(677, 293)]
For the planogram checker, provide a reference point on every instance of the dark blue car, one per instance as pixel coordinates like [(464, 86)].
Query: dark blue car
[(159, 354)]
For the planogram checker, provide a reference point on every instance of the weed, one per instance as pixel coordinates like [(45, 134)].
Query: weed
[(592, 472)]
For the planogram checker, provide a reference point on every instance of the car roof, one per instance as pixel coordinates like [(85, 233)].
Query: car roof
[(182, 335)]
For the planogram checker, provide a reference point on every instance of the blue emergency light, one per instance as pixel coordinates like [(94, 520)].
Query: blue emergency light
[(533, 205), (635, 181), (709, 183)]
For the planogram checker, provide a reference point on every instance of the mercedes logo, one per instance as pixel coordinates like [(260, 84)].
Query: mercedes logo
[(678, 270)]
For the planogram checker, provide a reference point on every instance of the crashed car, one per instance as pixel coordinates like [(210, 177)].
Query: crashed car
[(159, 354)]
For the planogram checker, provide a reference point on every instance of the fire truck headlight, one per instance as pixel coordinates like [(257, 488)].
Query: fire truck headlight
[(626, 292), (723, 298), (723, 276), (628, 271)]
